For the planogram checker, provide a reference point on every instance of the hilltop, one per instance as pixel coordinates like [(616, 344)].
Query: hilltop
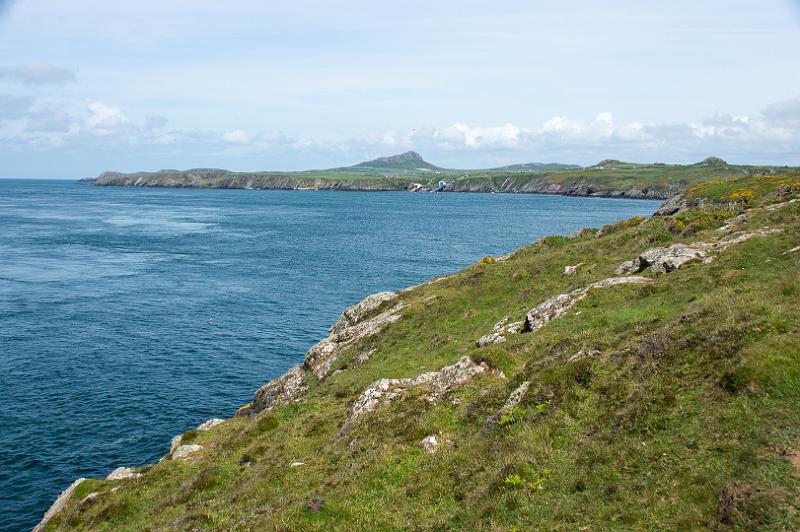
[(410, 160), (640, 376), (409, 171)]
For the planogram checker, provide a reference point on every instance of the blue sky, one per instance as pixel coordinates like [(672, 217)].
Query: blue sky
[(92, 85)]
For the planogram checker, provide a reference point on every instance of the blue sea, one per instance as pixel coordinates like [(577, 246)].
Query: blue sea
[(130, 315)]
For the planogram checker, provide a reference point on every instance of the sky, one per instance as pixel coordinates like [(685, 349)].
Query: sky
[(91, 85)]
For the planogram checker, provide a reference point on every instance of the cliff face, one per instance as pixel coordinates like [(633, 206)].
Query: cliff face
[(537, 185), (640, 376)]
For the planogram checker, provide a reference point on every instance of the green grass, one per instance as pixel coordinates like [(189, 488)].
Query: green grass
[(696, 391)]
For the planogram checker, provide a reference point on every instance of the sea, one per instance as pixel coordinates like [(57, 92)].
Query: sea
[(129, 315)]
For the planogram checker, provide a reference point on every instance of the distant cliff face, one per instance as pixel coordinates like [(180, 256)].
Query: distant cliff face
[(529, 185)]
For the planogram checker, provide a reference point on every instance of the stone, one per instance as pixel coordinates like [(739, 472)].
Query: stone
[(500, 329), (183, 451), (123, 473), (440, 382), (491, 338), (58, 505), (515, 398), (559, 305), (673, 205), (357, 312), (670, 258), (665, 259), (285, 388), (430, 444), (321, 357), (776, 206), (211, 423), (583, 354), (571, 270), (793, 250), (297, 464), (363, 358)]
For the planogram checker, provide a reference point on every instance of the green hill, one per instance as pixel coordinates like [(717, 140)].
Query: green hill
[(609, 178), (645, 376)]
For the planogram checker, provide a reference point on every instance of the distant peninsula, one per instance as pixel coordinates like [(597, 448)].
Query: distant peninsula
[(410, 172)]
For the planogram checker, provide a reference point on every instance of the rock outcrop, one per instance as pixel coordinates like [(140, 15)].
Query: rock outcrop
[(673, 205), (557, 306), (439, 382), (183, 451), (514, 399), (430, 444), (58, 505), (285, 388), (176, 441), (670, 258), (665, 259), (572, 270), (123, 473), (354, 314), (351, 327), (500, 329)]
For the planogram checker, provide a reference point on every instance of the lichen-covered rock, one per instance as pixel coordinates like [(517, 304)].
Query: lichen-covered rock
[(558, 305), (583, 354), (514, 399), (363, 358), (183, 451), (123, 473), (206, 425), (430, 444), (665, 259), (210, 424), (58, 505), (673, 205), (670, 258), (440, 382), (285, 388), (357, 312), (500, 329), (321, 357)]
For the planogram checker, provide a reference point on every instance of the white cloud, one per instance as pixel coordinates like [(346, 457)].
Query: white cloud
[(461, 135), (236, 137), (105, 120), (770, 136), (37, 74)]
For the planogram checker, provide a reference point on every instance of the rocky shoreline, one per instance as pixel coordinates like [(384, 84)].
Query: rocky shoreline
[(389, 184)]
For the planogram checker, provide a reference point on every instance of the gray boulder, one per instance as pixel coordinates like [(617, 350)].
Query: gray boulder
[(321, 357), (557, 306), (286, 388), (123, 473), (357, 312)]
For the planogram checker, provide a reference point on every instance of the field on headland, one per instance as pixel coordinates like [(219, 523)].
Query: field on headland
[(409, 171), (641, 376)]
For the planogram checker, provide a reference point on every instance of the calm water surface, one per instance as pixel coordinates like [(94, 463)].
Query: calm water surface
[(130, 315)]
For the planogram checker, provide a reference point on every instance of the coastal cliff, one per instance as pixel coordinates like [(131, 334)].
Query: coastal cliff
[(609, 178), (643, 375)]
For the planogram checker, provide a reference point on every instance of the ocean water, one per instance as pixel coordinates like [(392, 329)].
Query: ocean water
[(130, 315)]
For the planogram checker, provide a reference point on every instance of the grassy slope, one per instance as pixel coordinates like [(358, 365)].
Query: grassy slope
[(697, 387), (621, 176)]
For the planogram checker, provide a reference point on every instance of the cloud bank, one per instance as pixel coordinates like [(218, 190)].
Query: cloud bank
[(36, 124), (37, 74)]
